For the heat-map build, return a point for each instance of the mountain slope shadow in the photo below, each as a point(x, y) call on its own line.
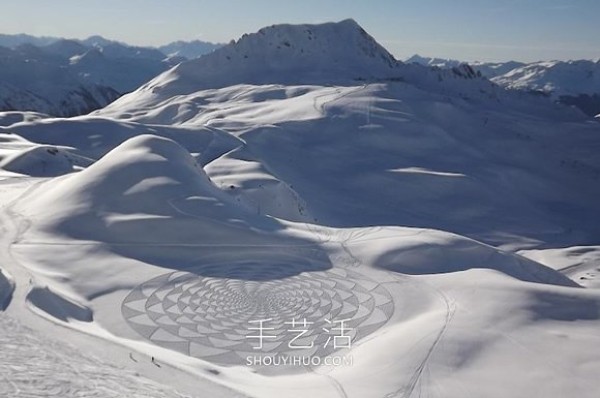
point(149, 200)
point(447, 253)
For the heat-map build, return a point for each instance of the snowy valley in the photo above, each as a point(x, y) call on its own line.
point(299, 173)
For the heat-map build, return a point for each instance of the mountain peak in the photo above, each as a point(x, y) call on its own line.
point(333, 41)
point(308, 53)
point(97, 41)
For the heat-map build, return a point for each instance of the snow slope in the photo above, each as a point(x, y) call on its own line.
point(580, 263)
point(18, 155)
point(321, 180)
point(177, 243)
point(35, 365)
point(413, 159)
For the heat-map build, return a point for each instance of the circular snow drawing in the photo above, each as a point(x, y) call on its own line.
point(225, 313)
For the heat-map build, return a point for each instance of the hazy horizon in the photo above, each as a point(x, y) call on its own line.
point(468, 30)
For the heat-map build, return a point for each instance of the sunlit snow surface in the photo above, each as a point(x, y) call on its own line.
point(430, 210)
point(34, 365)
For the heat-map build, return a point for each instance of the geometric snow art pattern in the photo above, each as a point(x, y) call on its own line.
point(213, 317)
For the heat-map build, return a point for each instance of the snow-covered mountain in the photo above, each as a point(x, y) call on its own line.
point(432, 61)
point(493, 69)
point(574, 83)
point(90, 73)
point(185, 49)
point(556, 78)
point(487, 69)
point(189, 49)
point(302, 172)
point(123, 73)
point(35, 80)
point(570, 82)
point(66, 78)
point(116, 50)
point(284, 53)
point(290, 55)
point(12, 41)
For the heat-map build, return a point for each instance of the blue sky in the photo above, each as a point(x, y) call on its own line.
point(525, 30)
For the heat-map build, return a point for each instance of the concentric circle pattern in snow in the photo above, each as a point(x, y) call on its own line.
point(213, 312)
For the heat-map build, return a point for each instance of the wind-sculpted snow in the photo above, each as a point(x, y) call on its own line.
point(34, 365)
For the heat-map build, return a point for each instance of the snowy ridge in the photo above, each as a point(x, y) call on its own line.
point(339, 53)
point(12, 41)
point(447, 220)
point(487, 69)
point(574, 83)
point(189, 49)
point(432, 61)
point(284, 54)
point(555, 78)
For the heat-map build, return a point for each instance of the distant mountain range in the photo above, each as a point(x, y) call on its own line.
point(189, 49)
point(575, 83)
point(62, 77)
point(186, 49)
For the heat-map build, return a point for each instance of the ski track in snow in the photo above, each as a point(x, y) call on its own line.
point(320, 107)
point(416, 378)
